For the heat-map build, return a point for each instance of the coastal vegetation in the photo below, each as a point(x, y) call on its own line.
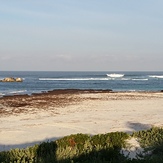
point(83, 148)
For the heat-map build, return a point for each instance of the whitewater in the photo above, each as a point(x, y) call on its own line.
point(36, 82)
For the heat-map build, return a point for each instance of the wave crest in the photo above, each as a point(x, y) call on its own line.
point(156, 76)
point(73, 79)
point(18, 91)
point(140, 79)
point(115, 75)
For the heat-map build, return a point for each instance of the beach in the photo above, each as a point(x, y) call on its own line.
point(27, 120)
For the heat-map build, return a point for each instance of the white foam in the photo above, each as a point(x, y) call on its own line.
point(132, 90)
point(156, 76)
point(126, 79)
point(73, 79)
point(140, 79)
point(17, 92)
point(115, 75)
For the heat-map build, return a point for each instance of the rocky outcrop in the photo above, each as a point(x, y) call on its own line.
point(19, 79)
point(10, 79)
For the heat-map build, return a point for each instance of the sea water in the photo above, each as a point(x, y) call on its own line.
point(36, 82)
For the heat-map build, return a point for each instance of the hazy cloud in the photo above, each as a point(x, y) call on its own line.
point(81, 35)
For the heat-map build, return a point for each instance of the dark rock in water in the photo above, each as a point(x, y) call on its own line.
point(72, 91)
point(17, 96)
point(161, 90)
point(10, 79)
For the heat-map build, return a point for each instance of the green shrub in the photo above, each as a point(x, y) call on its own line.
point(149, 137)
point(46, 152)
point(114, 139)
point(82, 148)
point(19, 155)
point(73, 140)
point(72, 146)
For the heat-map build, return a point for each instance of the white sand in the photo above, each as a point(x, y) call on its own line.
point(98, 113)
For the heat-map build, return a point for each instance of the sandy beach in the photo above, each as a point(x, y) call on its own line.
point(27, 120)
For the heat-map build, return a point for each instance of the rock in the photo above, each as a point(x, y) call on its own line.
point(19, 79)
point(10, 79)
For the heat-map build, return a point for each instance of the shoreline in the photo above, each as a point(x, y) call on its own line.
point(67, 91)
point(27, 120)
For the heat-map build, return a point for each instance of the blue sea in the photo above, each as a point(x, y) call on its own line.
point(37, 82)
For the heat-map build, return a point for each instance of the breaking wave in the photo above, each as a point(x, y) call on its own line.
point(140, 79)
point(87, 79)
point(18, 92)
point(73, 79)
point(156, 76)
point(115, 75)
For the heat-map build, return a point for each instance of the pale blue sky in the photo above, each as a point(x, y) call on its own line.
point(92, 35)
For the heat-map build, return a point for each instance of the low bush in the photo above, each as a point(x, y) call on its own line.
point(83, 148)
point(149, 137)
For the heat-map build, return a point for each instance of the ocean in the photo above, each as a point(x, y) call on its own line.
point(37, 82)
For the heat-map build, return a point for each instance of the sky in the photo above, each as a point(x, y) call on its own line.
point(81, 35)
